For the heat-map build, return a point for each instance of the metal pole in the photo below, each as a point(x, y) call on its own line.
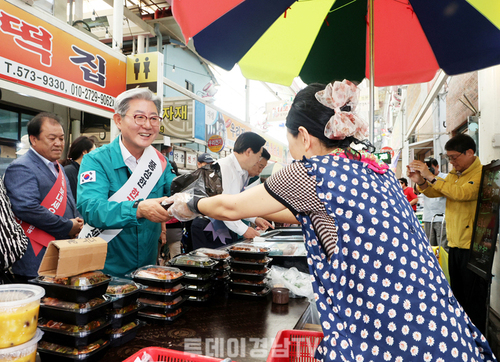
point(117, 34)
point(247, 100)
point(372, 76)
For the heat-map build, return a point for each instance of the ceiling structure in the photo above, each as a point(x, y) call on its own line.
point(140, 18)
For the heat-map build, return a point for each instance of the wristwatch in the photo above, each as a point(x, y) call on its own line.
point(433, 181)
point(136, 204)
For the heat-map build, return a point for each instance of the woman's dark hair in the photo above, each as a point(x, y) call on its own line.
point(307, 112)
point(79, 145)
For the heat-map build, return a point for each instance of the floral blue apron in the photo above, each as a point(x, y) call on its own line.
point(382, 296)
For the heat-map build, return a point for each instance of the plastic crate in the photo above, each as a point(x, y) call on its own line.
point(295, 345)
point(169, 355)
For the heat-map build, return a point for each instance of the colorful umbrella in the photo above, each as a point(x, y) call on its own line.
point(325, 40)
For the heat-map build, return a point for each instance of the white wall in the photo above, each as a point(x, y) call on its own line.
point(489, 106)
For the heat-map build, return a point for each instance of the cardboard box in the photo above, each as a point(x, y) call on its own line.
point(66, 258)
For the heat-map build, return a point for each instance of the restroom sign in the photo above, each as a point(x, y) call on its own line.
point(145, 70)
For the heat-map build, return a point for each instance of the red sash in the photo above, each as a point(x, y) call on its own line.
point(55, 202)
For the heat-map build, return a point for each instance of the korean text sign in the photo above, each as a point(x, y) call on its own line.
point(42, 56)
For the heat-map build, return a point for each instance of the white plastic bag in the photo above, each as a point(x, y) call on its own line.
point(145, 358)
point(297, 282)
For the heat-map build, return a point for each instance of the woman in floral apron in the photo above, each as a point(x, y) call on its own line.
point(380, 292)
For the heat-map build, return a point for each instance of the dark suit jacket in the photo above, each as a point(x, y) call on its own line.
point(28, 180)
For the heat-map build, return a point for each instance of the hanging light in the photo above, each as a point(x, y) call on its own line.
point(92, 17)
point(173, 68)
point(107, 35)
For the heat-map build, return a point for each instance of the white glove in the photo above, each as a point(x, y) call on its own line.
point(184, 206)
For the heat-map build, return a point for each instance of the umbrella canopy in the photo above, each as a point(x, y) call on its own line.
point(325, 40)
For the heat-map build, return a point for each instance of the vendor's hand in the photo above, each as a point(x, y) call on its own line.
point(77, 227)
point(251, 233)
point(263, 224)
point(183, 206)
point(152, 210)
point(163, 237)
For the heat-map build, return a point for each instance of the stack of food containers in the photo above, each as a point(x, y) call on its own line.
point(19, 307)
point(222, 269)
point(124, 310)
point(163, 295)
point(249, 270)
point(73, 317)
point(199, 278)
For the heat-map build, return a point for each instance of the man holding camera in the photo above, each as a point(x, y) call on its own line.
point(460, 188)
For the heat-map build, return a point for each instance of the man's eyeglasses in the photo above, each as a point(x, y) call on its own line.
point(453, 158)
point(140, 119)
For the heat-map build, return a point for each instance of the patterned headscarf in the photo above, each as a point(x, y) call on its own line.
point(343, 98)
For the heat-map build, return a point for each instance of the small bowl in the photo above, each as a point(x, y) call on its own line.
point(281, 295)
point(25, 352)
point(19, 307)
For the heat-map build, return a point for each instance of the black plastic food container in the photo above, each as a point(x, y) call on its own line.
point(94, 356)
point(74, 316)
point(176, 314)
point(120, 319)
point(119, 298)
point(165, 296)
point(118, 338)
point(156, 308)
point(72, 293)
point(150, 280)
point(77, 339)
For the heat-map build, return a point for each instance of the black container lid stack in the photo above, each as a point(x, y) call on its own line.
point(221, 269)
point(163, 293)
point(200, 275)
point(74, 317)
point(249, 270)
point(124, 295)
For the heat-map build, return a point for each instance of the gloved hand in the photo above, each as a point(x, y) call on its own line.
point(183, 206)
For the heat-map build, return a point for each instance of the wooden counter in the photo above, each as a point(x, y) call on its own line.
point(227, 326)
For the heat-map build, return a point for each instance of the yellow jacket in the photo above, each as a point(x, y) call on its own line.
point(461, 192)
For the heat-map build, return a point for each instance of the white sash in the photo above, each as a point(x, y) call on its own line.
point(139, 186)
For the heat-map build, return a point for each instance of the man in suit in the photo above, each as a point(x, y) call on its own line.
point(40, 193)
point(206, 232)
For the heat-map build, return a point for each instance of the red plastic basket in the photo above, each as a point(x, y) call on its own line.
point(295, 345)
point(170, 355)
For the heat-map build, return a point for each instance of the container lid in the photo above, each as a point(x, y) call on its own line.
point(124, 330)
point(211, 253)
point(75, 307)
point(248, 248)
point(15, 295)
point(81, 282)
point(119, 287)
point(7, 353)
point(197, 261)
point(157, 272)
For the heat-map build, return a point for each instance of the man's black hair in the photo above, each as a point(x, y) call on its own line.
point(431, 162)
point(265, 154)
point(34, 126)
point(248, 140)
point(460, 143)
